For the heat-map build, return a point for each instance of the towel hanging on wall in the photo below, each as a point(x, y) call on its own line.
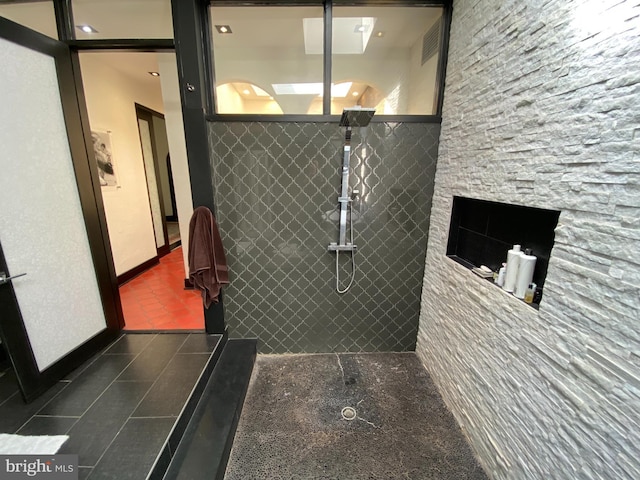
point(208, 269)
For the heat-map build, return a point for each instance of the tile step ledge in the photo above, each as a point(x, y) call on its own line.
point(203, 450)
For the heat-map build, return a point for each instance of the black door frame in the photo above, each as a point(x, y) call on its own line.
point(12, 330)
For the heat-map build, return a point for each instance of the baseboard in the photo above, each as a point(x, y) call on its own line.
point(135, 271)
point(164, 250)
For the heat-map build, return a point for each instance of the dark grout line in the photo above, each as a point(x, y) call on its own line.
point(17, 392)
point(50, 400)
point(54, 416)
point(160, 416)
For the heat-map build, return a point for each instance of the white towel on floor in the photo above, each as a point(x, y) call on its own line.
point(30, 445)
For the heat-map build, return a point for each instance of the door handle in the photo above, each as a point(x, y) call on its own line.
point(4, 279)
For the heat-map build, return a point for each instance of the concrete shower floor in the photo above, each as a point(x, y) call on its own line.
point(292, 428)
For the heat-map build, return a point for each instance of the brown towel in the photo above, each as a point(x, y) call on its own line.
point(208, 269)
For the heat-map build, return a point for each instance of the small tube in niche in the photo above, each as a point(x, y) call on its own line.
point(529, 293)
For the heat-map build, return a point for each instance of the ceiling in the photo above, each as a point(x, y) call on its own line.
point(283, 26)
point(135, 65)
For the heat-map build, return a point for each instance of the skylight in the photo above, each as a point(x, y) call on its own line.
point(350, 35)
point(337, 91)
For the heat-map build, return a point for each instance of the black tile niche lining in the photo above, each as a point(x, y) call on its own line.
point(481, 232)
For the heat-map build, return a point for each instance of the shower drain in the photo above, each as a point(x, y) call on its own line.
point(348, 413)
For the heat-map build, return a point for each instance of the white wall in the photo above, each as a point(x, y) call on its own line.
point(111, 97)
point(177, 146)
point(228, 100)
point(422, 80)
point(541, 109)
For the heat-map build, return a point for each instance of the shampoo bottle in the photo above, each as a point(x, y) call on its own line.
point(525, 273)
point(513, 260)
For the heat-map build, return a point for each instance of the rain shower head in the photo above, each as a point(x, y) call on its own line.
point(356, 117)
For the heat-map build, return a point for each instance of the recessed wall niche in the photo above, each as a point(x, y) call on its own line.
point(481, 233)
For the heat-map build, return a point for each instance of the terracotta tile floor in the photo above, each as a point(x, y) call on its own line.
point(157, 300)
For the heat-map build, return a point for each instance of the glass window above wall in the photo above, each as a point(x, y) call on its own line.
point(38, 16)
point(109, 19)
point(386, 58)
point(263, 64)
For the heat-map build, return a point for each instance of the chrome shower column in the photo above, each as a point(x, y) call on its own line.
point(351, 117)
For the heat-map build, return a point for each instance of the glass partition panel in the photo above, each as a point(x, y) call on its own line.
point(100, 19)
point(386, 58)
point(268, 60)
point(38, 16)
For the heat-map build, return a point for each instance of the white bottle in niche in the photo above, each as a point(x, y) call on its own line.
point(525, 273)
point(513, 261)
point(501, 274)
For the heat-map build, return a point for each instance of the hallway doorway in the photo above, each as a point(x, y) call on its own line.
point(134, 98)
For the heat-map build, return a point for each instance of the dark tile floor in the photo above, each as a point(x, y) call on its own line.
point(120, 407)
point(292, 428)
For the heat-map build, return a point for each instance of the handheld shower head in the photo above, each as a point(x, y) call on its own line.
point(356, 117)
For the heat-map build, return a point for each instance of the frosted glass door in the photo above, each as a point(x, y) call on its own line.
point(42, 229)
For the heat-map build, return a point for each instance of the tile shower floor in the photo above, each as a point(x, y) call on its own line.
point(292, 425)
point(157, 300)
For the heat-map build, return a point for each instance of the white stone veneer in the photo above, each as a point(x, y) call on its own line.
point(542, 108)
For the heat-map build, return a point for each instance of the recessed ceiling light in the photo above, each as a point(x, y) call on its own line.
point(87, 28)
point(379, 34)
point(355, 94)
point(246, 91)
point(154, 74)
point(223, 29)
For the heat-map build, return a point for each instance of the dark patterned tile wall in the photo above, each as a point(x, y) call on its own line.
point(276, 189)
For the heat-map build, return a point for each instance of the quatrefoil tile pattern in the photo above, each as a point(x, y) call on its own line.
point(276, 186)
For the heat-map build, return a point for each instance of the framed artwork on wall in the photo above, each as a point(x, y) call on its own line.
point(104, 157)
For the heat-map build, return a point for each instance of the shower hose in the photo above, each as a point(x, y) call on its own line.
point(353, 260)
